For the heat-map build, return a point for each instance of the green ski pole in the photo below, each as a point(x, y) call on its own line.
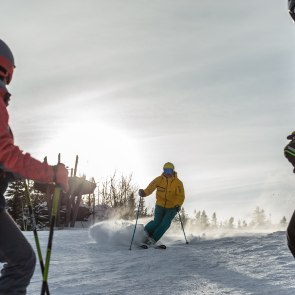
point(33, 219)
point(55, 202)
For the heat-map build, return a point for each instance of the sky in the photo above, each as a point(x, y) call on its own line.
point(129, 85)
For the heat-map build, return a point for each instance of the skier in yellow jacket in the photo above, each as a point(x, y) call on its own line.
point(170, 197)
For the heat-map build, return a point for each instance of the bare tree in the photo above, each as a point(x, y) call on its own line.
point(120, 194)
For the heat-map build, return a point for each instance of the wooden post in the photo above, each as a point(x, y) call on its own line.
point(76, 165)
point(76, 209)
point(71, 198)
point(57, 218)
point(49, 201)
point(48, 195)
point(93, 210)
point(76, 204)
point(68, 210)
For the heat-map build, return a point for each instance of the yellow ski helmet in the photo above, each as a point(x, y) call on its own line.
point(168, 165)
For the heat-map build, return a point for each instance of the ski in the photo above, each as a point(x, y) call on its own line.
point(160, 247)
point(144, 246)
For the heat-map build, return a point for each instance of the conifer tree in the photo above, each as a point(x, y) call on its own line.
point(231, 223)
point(204, 220)
point(17, 205)
point(283, 221)
point(214, 221)
point(15, 201)
point(259, 218)
point(244, 224)
point(143, 209)
point(198, 218)
point(183, 216)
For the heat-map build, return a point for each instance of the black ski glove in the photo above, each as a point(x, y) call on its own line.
point(177, 207)
point(141, 193)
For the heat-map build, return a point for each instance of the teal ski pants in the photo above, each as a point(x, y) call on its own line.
point(162, 221)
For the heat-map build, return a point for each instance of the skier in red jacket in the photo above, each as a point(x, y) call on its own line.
point(15, 252)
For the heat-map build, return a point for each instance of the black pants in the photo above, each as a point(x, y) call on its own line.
point(291, 234)
point(15, 252)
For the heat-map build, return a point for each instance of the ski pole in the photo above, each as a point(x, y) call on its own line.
point(182, 228)
point(37, 242)
point(135, 222)
point(55, 202)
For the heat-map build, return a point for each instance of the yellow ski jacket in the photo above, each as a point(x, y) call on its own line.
point(170, 191)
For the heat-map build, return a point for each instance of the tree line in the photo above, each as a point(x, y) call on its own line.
point(116, 198)
point(202, 221)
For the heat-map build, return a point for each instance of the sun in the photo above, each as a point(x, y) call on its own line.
point(101, 149)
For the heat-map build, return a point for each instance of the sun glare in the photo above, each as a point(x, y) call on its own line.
point(101, 149)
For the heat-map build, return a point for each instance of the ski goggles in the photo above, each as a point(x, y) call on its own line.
point(168, 171)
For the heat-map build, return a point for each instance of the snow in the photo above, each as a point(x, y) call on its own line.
point(98, 261)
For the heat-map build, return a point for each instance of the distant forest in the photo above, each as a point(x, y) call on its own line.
point(259, 221)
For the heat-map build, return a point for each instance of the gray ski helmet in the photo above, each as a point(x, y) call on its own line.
point(6, 62)
point(291, 7)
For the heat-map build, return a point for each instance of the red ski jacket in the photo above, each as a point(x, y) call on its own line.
point(12, 159)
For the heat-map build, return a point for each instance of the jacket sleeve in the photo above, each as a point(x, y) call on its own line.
point(12, 159)
point(152, 186)
point(180, 194)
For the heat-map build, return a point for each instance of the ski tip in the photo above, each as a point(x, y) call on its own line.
point(161, 247)
point(143, 246)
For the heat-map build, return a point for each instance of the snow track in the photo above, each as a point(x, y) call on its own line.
point(253, 264)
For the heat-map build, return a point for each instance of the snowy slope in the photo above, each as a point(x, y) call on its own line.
point(98, 261)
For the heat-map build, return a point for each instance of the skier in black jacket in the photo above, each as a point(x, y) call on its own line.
point(289, 152)
point(291, 7)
